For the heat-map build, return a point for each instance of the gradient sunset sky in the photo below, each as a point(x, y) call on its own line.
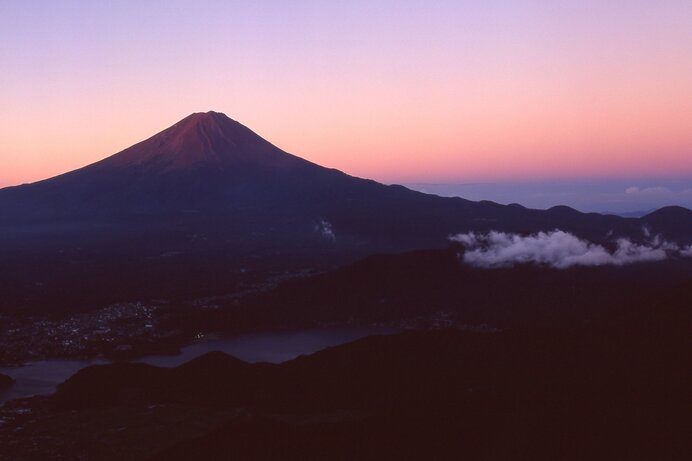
point(397, 91)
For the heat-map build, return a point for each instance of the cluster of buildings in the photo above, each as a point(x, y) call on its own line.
point(116, 328)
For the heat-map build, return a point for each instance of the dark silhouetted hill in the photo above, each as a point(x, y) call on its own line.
point(5, 381)
point(433, 287)
point(612, 390)
point(674, 222)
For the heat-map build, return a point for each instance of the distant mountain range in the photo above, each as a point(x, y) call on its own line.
point(189, 210)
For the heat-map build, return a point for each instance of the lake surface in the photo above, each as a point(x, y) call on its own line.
point(43, 376)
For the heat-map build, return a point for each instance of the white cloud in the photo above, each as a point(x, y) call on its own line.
point(658, 190)
point(558, 249)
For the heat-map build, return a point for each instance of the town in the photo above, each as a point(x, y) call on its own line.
point(117, 331)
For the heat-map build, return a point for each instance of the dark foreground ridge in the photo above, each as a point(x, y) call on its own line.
point(615, 390)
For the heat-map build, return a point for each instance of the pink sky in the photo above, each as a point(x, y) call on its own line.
point(397, 91)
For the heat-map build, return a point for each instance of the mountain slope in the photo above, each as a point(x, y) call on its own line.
point(208, 163)
point(205, 161)
point(189, 209)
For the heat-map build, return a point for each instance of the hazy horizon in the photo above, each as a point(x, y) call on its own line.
point(634, 197)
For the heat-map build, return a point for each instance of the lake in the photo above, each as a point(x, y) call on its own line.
point(42, 377)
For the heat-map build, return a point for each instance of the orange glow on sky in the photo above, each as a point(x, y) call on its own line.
point(395, 91)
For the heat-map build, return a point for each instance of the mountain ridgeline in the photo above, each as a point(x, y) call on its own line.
point(208, 199)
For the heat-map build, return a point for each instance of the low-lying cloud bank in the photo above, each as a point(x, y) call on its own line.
point(559, 249)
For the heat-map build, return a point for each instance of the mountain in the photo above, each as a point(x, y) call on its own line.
point(208, 164)
point(205, 162)
point(195, 208)
point(675, 222)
